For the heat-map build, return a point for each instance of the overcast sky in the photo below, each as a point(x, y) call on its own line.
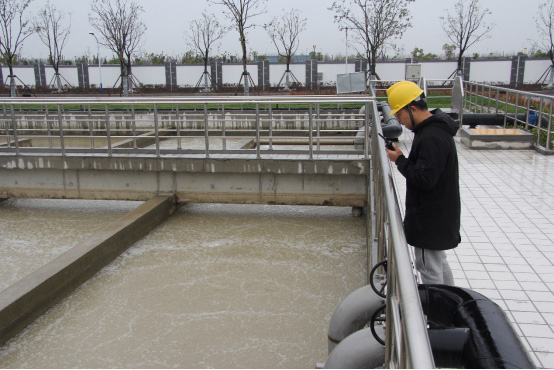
point(167, 21)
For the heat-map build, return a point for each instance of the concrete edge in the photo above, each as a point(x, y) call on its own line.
point(26, 300)
point(543, 151)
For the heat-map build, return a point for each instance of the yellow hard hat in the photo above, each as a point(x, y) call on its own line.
point(401, 94)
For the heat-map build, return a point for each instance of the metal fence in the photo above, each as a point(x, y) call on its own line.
point(260, 126)
point(308, 126)
point(407, 342)
point(532, 111)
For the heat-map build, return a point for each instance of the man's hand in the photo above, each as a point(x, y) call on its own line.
point(394, 154)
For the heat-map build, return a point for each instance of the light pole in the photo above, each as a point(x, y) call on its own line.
point(346, 66)
point(99, 64)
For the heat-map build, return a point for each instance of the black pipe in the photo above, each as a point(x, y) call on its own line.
point(491, 341)
point(497, 119)
point(447, 345)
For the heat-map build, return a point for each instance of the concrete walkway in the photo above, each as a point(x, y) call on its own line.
point(507, 249)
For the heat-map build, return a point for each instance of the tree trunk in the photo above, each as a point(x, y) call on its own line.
point(58, 79)
point(244, 59)
point(206, 87)
point(13, 93)
point(373, 63)
point(460, 70)
point(287, 81)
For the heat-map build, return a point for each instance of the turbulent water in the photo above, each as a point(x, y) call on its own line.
point(221, 286)
point(34, 232)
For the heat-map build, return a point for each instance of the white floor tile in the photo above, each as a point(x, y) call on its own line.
point(545, 360)
point(518, 295)
point(541, 344)
point(537, 331)
point(524, 306)
point(502, 276)
point(548, 317)
point(545, 308)
point(541, 296)
point(534, 286)
point(482, 284)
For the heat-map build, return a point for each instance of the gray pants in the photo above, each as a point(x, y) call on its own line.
point(433, 267)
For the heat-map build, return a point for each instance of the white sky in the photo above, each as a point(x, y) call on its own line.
point(167, 21)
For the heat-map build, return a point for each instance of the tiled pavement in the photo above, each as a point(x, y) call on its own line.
point(507, 249)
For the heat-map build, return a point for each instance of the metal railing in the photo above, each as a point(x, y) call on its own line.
point(202, 126)
point(428, 86)
point(407, 342)
point(536, 108)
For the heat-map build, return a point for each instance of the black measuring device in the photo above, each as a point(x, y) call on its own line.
point(388, 143)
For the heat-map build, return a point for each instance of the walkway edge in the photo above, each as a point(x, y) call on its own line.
point(26, 300)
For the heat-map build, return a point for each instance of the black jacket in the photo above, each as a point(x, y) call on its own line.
point(432, 218)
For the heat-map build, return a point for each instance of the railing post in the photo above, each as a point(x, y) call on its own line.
point(14, 130)
point(48, 127)
point(506, 109)
point(516, 109)
point(134, 126)
point(318, 124)
point(483, 99)
point(90, 124)
point(489, 100)
point(224, 138)
point(258, 130)
point(156, 130)
point(206, 138)
point(108, 132)
point(60, 123)
point(6, 124)
point(270, 126)
point(311, 133)
point(549, 128)
point(178, 126)
point(366, 130)
point(527, 115)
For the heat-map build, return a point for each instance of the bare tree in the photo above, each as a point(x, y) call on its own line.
point(50, 27)
point(284, 33)
point(14, 29)
point(545, 26)
point(119, 23)
point(466, 26)
point(205, 33)
point(375, 24)
point(241, 12)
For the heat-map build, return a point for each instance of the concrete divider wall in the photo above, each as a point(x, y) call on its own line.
point(26, 300)
point(337, 182)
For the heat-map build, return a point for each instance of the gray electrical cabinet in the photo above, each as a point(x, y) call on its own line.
point(413, 72)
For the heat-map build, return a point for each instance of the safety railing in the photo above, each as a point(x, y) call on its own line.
point(407, 342)
point(257, 126)
point(531, 111)
point(436, 90)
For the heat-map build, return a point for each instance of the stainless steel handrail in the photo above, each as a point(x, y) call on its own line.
point(113, 120)
point(482, 98)
point(407, 342)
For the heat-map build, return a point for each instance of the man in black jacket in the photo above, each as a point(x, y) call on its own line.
point(432, 220)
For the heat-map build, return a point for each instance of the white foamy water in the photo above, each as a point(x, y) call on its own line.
point(217, 286)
